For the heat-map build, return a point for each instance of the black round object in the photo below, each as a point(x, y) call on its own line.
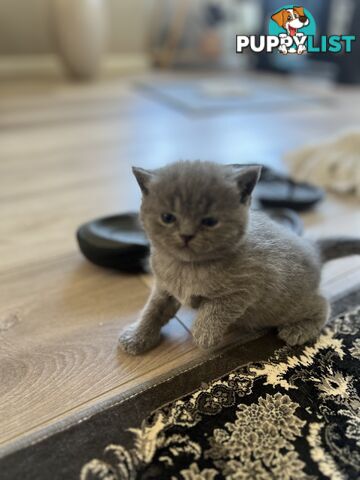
point(276, 190)
point(284, 193)
point(116, 242)
point(280, 191)
point(119, 242)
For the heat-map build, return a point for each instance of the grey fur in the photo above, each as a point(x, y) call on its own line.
point(245, 270)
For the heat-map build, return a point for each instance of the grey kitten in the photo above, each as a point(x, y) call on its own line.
point(210, 252)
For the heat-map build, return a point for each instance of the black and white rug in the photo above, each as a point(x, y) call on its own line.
point(293, 416)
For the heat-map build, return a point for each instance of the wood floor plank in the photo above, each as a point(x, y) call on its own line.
point(43, 225)
point(58, 327)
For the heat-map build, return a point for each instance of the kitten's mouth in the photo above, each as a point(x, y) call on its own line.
point(185, 245)
point(186, 248)
point(186, 251)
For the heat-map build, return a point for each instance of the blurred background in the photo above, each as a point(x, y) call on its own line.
point(97, 35)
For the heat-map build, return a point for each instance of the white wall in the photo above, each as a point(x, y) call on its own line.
point(26, 26)
point(128, 25)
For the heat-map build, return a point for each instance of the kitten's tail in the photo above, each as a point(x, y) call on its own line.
point(337, 247)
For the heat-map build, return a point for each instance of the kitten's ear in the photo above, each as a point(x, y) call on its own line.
point(246, 179)
point(143, 178)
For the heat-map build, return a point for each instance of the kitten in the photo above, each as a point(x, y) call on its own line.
point(210, 252)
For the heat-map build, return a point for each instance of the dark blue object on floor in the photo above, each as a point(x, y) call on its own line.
point(118, 242)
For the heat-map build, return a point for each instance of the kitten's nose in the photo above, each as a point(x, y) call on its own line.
point(186, 238)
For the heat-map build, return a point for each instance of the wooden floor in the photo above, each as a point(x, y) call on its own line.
point(65, 157)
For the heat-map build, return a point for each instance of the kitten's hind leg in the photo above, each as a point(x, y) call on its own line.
point(315, 313)
point(145, 333)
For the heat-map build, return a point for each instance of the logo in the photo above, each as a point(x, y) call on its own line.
point(292, 30)
point(293, 26)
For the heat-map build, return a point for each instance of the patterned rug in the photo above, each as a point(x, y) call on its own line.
point(295, 416)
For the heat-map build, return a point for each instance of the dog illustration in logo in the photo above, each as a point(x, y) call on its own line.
point(291, 20)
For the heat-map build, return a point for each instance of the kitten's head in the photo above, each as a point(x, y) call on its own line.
point(196, 211)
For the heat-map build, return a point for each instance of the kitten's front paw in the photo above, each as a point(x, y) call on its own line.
point(132, 340)
point(205, 339)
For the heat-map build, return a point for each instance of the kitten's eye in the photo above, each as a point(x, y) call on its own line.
point(209, 222)
point(168, 218)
